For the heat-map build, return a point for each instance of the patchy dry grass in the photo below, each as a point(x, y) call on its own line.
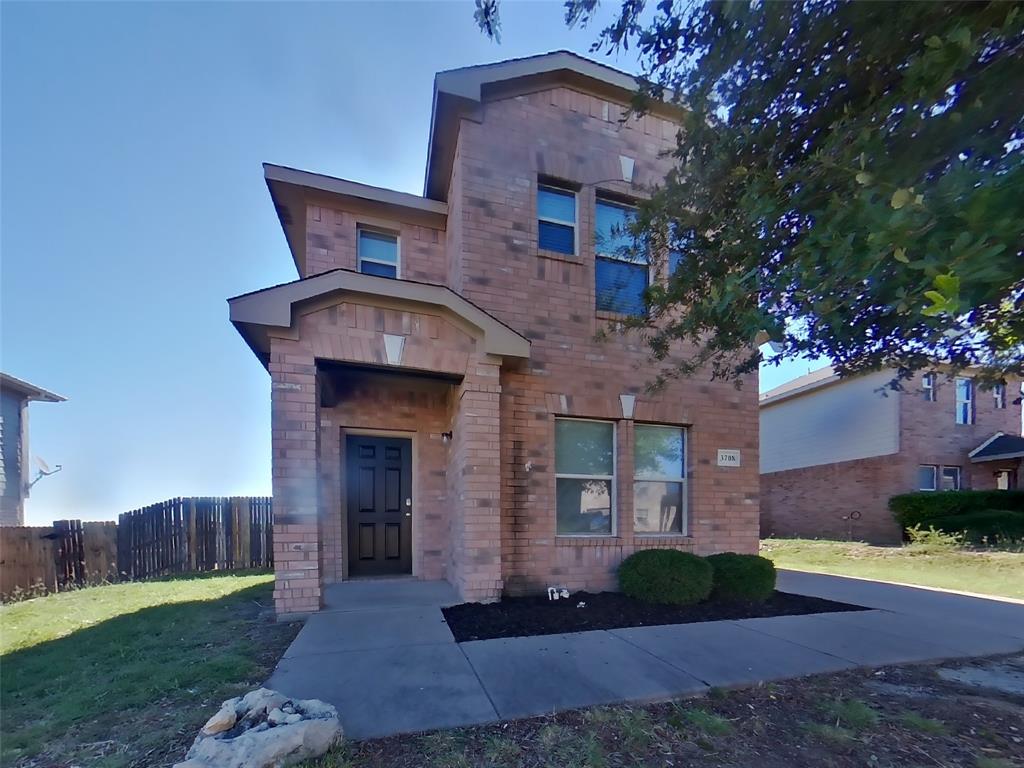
point(987, 572)
point(904, 716)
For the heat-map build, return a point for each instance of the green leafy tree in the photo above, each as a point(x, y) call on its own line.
point(847, 180)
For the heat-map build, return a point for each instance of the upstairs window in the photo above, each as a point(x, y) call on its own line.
point(584, 477)
point(659, 483)
point(999, 394)
point(378, 253)
point(556, 219)
point(964, 401)
point(622, 274)
point(928, 387)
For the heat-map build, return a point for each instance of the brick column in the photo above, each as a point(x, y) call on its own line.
point(295, 447)
point(475, 465)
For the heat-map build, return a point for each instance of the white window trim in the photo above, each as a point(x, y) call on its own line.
point(684, 481)
point(935, 477)
point(613, 500)
point(552, 220)
point(999, 394)
point(928, 387)
point(959, 402)
point(959, 477)
point(615, 256)
point(378, 231)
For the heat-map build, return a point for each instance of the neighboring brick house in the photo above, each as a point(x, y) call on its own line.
point(834, 451)
point(440, 404)
point(15, 470)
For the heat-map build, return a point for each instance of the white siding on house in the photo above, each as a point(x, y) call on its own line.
point(841, 422)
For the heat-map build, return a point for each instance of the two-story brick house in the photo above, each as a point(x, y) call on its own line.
point(834, 451)
point(440, 404)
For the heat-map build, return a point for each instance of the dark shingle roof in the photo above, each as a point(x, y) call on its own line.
point(999, 447)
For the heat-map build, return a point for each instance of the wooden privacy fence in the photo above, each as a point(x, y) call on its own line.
point(36, 560)
point(196, 534)
point(174, 536)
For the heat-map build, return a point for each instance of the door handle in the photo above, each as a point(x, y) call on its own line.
point(408, 502)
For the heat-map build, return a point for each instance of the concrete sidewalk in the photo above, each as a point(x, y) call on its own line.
point(383, 655)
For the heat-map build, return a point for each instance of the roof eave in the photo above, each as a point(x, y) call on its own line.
point(997, 457)
point(291, 189)
point(255, 314)
point(458, 92)
point(30, 391)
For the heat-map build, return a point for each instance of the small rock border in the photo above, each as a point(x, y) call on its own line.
point(264, 729)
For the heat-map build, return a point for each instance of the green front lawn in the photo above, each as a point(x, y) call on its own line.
point(124, 675)
point(987, 572)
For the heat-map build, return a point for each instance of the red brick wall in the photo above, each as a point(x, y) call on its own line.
point(550, 299)
point(820, 502)
point(332, 234)
point(812, 501)
point(929, 433)
point(499, 485)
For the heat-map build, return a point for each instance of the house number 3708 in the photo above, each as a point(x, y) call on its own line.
point(728, 458)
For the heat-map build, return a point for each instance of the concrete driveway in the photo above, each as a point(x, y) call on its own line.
point(382, 654)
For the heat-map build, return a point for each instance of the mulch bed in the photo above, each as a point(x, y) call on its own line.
point(536, 615)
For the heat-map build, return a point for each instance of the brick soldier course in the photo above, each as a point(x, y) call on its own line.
point(479, 345)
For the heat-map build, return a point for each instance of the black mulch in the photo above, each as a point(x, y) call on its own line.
point(536, 615)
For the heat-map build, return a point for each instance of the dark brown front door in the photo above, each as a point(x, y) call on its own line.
point(379, 505)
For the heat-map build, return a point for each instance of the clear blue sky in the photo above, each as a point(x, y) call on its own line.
point(133, 205)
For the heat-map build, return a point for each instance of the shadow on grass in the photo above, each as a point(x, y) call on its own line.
point(134, 688)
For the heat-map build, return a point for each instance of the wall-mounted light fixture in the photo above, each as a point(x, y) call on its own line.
point(446, 437)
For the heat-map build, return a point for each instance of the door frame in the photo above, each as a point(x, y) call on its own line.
point(412, 437)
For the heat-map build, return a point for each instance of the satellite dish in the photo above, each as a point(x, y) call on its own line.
point(43, 466)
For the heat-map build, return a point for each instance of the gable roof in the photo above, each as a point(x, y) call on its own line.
point(27, 390)
point(999, 446)
point(459, 93)
point(291, 190)
point(253, 314)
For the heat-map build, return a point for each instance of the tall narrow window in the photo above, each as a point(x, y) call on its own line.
point(556, 219)
point(1006, 479)
point(951, 478)
point(928, 387)
point(659, 484)
point(621, 272)
point(927, 477)
point(378, 253)
point(964, 401)
point(584, 477)
point(999, 394)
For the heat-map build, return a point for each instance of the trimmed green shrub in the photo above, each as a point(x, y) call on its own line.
point(665, 576)
point(990, 526)
point(922, 508)
point(742, 577)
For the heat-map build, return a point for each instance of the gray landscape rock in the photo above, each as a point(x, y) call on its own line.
point(264, 729)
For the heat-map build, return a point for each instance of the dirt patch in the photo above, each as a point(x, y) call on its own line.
point(582, 611)
point(846, 720)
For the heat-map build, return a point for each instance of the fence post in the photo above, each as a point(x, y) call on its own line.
point(190, 515)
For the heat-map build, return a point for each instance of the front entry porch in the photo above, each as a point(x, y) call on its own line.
point(385, 420)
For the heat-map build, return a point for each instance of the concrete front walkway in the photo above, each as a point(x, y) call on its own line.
point(383, 655)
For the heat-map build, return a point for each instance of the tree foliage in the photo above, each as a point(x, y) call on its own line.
point(847, 179)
